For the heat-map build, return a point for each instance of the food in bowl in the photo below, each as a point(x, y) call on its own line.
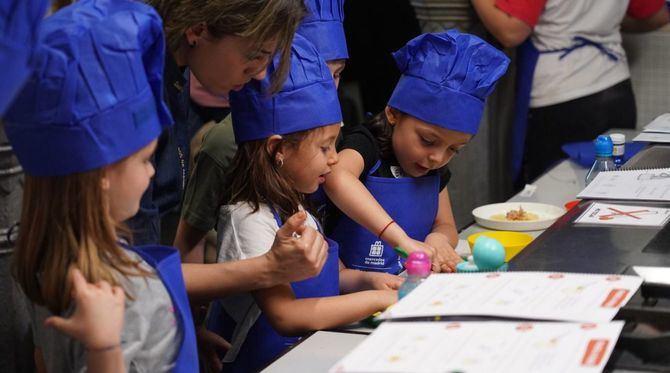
point(516, 215)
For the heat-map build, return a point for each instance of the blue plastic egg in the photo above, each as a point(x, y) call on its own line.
point(488, 253)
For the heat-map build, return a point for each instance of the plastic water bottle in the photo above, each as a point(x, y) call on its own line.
point(418, 268)
point(618, 148)
point(604, 160)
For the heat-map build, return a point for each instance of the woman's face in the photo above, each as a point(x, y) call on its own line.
point(421, 147)
point(226, 64)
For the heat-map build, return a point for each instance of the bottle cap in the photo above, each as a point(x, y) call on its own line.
point(618, 138)
point(603, 146)
point(418, 264)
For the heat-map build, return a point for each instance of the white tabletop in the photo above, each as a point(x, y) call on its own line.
point(317, 353)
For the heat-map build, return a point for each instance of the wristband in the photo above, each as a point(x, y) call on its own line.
point(384, 229)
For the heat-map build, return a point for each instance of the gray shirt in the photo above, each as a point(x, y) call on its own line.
point(150, 338)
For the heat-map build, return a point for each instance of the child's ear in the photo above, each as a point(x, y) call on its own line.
point(273, 144)
point(392, 115)
point(104, 183)
point(194, 33)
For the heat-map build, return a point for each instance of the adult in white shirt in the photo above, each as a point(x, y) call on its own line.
point(573, 81)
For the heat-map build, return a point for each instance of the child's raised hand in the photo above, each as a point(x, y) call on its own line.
point(383, 281)
point(98, 315)
point(298, 251)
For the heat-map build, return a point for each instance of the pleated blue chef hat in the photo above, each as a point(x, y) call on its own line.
point(323, 27)
point(446, 78)
point(96, 95)
point(307, 100)
point(19, 20)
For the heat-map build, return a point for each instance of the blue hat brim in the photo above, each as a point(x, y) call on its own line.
point(437, 105)
point(312, 106)
point(91, 145)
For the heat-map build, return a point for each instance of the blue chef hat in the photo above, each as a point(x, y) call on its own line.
point(323, 27)
point(96, 94)
point(307, 100)
point(446, 77)
point(18, 24)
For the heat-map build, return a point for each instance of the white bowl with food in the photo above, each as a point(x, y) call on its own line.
point(517, 216)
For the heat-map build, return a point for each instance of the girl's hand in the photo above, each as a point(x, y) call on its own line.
point(382, 281)
point(410, 245)
point(98, 316)
point(446, 257)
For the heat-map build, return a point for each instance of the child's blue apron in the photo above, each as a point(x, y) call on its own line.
point(411, 201)
point(167, 263)
point(263, 343)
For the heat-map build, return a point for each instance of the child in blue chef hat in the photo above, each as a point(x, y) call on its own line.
point(390, 182)
point(286, 147)
point(84, 128)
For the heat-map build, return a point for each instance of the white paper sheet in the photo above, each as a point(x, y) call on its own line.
point(609, 214)
point(654, 275)
point(659, 124)
point(641, 185)
point(652, 137)
point(523, 295)
point(483, 347)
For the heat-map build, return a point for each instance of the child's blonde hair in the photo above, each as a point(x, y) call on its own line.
point(258, 20)
point(65, 222)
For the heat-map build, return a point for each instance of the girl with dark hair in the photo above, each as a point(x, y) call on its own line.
point(390, 183)
point(286, 146)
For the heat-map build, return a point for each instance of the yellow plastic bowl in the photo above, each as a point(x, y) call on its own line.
point(513, 242)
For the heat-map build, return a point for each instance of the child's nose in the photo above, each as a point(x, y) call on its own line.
point(333, 159)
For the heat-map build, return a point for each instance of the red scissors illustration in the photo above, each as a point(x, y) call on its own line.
point(633, 214)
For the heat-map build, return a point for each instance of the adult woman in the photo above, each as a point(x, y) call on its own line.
point(224, 44)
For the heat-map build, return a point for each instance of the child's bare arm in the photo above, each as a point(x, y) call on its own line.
point(353, 198)
point(444, 236)
point(352, 280)
point(291, 316)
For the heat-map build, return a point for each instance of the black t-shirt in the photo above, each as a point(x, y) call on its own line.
point(360, 139)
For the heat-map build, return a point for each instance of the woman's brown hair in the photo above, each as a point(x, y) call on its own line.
point(65, 223)
point(256, 178)
point(257, 20)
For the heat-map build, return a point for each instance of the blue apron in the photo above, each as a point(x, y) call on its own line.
point(167, 263)
point(527, 56)
point(263, 343)
point(411, 201)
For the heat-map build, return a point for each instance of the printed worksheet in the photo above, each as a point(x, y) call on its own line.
point(642, 185)
point(522, 295)
point(483, 347)
point(608, 214)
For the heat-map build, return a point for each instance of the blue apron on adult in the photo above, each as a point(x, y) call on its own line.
point(527, 57)
point(411, 202)
point(167, 263)
point(263, 343)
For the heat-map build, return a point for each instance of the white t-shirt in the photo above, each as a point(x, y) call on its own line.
point(243, 234)
point(585, 70)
